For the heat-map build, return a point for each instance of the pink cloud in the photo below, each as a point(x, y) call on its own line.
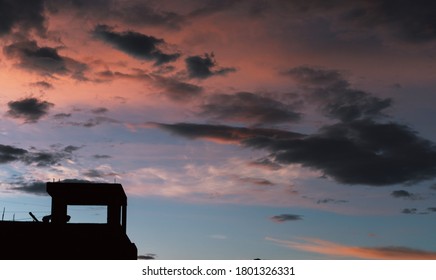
point(332, 249)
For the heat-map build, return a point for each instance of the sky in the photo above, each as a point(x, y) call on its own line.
point(297, 129)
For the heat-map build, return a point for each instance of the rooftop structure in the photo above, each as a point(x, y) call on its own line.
point(55, 238)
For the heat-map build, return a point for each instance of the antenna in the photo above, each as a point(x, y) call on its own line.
point(33, 217)
point(3, 215)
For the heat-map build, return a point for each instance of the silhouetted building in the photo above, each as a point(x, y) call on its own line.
point(55, 238)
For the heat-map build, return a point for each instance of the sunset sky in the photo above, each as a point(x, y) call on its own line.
point(283, 129)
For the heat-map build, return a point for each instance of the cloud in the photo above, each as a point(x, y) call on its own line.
point(226, 134)
point(249, 107)
point(286, 217)
point(40, 158)
point(33, 187)
point(212, 7)
point(71, 148)
point(139, 13)
point(361, 152)
point(382, 21)
point(265, 163)
point(254, 181)
point(135, 44)
point(147, 257)
point(330, 200)
point(332, 249)
point(334, 95)
point(10, 153)
point(43, 85)
point(61, 116)
point(409, 211)
point(203, 67)
point(45, 61)
point(29, 109)
point(175, 89)
point(99, 110)
point(402, 19)
point(404, 194)
point(100, 173)
point(357, 152)
point(97, 156)
point(44, 158)
point(110, 75)
point(24, 15)
point(218, 236)
point(94, 122)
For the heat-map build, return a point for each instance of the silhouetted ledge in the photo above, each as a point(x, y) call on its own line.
point(57, 239)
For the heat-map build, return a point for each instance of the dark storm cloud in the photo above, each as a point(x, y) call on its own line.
point(357, 152)
point(135, 44)
point(23, 15)
point(286, 218)
point(432, 209)
point(249, 107)
point(29, 109)
point(45, 61)
point(203, 67)
point(361, 152)
point(334, 95)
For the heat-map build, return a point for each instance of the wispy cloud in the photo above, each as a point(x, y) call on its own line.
point(286, 217)
point(332, 249)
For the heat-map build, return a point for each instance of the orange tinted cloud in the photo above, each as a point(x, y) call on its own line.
point(328, 248)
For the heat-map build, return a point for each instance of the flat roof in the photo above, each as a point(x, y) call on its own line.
point(87, 193)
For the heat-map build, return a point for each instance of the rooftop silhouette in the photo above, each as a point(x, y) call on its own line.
point(56, 238)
